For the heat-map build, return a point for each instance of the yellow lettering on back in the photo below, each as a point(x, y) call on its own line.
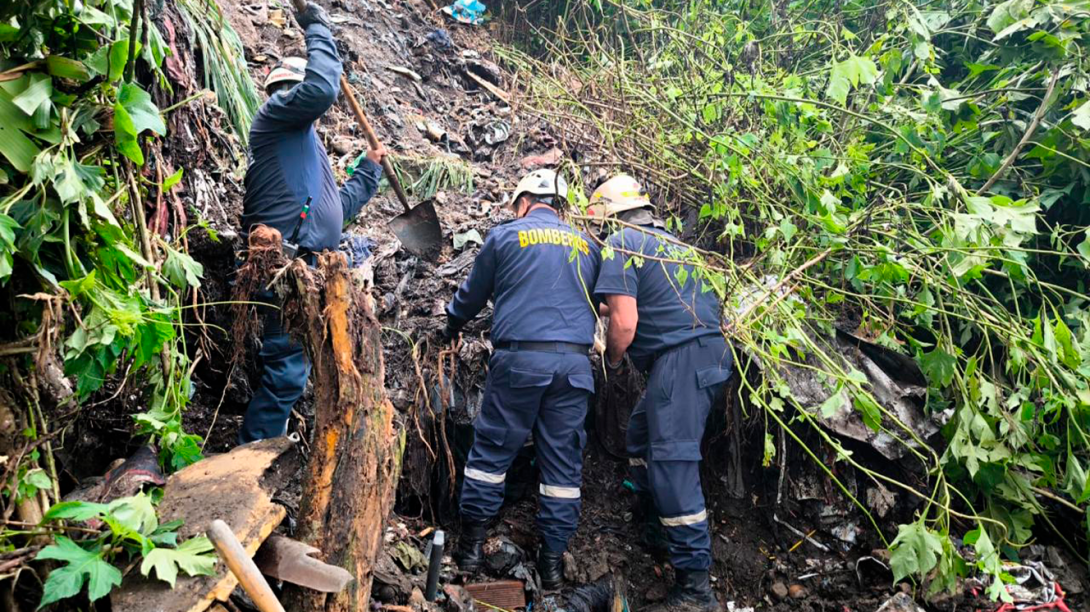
point(523, 240)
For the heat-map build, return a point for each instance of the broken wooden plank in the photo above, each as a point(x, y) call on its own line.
point(232, 486)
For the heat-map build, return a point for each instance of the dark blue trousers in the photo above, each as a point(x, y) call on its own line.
point(664, 434)
point(543, 393)
point(286, 369)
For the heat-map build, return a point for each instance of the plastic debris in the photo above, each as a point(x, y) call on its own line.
point(1035, 588)
point(440, 38)
point(356, 248)
point(466, 11)
point(502, 555)
point(901, 602)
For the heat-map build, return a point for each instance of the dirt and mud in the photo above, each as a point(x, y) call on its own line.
point(781, 541)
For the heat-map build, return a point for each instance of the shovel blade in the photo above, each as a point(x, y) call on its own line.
point(419, 231)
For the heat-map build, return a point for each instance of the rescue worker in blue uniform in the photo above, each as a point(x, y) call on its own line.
point(539, 274)
point(288, 165)
point(669, 327)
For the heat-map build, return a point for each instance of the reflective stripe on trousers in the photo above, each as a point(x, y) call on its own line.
point(543, 393)
point(664, 434)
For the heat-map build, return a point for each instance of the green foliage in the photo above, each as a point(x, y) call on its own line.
point(922, 166)
point(133, 530)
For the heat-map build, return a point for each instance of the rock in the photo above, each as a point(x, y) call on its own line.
point(901, 602)
point(342, 146)
point(779, 591)
point(797, 591)
point(416, 599)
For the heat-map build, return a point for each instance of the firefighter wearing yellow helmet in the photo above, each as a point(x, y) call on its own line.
point(670, 330)
point(538, 271)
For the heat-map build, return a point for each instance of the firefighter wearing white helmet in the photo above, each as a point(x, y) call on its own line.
point(537, 271)
point(288, 169)
point(669, 328)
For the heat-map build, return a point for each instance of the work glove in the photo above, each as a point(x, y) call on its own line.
point(611, 367)
point(313, 14)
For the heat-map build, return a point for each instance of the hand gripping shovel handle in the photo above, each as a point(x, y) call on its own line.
point(372, 139)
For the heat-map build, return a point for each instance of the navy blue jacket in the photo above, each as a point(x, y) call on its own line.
point(287, 162)
point(540, 274)
point(671, 312)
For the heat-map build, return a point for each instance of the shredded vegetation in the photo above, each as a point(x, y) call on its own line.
point(919, 167)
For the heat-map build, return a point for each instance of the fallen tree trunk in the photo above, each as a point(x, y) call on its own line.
point(355, 459)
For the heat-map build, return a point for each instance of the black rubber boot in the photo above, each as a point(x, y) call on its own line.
point(550, 567)
point(470, 553)
point(692, 592)
point(653, 536)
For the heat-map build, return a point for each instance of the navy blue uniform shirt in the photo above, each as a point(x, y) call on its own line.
point(670, 312)
point(288, 164)
point(540, 292)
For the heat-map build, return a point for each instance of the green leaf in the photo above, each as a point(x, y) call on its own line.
point(37, 478)
point(143, 112)
point(192, 557)
point(848, 74)
point(74, 511)
point(1081, 116)
point(66, 68)
point(182, 270)
point(172, 180)
point(914, 552)
point(19, 150)
point(938, 366)
point(136, 513)
point(872, 414)
point(39, 88)
point(82, 565)
point(831, 406)
point(125, 135)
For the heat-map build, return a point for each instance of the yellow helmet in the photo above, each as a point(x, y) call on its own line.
point(617, 195)
point(542, 183)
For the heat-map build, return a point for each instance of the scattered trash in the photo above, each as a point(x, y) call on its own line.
point(1034, 588)
point(872, 570)
point(501, 595)
point(440, 38)
point(881, 500)
point(733, 607)
point(502, 555)
point(277, 19)
point(356, 248)
point(496, 132)
point(492, 89)
point(464, 238)
point(550, 158)
point(901, 602)
point(405, 72)
point(409, 557)
point(466, 11)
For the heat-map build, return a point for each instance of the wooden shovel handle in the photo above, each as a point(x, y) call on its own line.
point(372, 139)
point(243, 567)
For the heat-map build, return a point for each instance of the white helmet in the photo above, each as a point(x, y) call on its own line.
point(617, 195)
point(543, 183)
point(287, 70)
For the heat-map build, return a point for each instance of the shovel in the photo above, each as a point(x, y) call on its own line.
point(417, 228)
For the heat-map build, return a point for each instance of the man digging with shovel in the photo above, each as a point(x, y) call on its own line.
point(290, 187)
